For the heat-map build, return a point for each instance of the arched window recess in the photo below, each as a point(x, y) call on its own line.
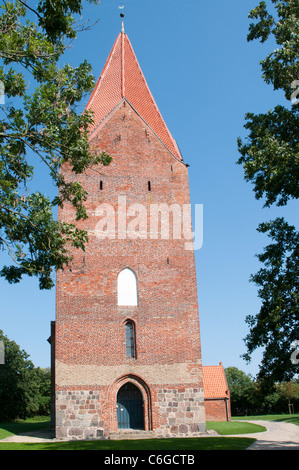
point(126, 288)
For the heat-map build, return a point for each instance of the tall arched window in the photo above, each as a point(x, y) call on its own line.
point(126, 288)
point(130, 339)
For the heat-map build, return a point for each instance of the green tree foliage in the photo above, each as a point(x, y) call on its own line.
point(270, 154)
point(24, 389)
point(270, 159)
point(40, 124)
point(241, 389)
point(250, 396)
point(276, 326)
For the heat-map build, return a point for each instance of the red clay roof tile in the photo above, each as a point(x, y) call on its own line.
point(122, 78)
point(214, 382)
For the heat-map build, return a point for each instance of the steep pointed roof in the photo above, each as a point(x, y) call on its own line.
point(214, 382)
point(122, 78)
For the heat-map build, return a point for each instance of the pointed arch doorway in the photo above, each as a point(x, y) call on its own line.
point(130, 407)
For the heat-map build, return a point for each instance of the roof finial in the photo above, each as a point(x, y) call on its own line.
point(121, 7)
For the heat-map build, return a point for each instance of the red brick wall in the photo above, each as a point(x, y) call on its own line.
point(90, 334)
point(217, 410)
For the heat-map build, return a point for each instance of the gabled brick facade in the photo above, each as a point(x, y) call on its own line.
point(217, 394)
point(91, 358)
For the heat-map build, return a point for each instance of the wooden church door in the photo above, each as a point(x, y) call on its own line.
point(130, 407)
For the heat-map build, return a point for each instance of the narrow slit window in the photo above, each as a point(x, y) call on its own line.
point(149, 185)
point(130, 339)
point(101, 185)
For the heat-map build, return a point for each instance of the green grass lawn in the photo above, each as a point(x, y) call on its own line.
point(21, 426)
point(234, 427)
point(287, 418)
point(177, 444)
point(180, 444)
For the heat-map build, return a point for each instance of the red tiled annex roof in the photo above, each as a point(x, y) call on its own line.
point(120, 79)
point(214, 382)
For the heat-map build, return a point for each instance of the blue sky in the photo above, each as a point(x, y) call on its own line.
point(204, 76)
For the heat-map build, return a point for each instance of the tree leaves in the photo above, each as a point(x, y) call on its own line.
point(270, 155)
point(281, 66)
point(40, 124)
point(56, 17)
point(270, 159)
point(276, 326)
point(24, 390)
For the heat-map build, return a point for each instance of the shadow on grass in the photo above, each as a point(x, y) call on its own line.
point(41, 428)
point(34, 428)
point(177, 444)
point(287, 418)
point(293, 419)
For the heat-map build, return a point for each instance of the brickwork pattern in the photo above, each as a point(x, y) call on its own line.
point(89, 327)
point(217, 410)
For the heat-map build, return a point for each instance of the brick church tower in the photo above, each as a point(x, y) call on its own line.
point(126, 341)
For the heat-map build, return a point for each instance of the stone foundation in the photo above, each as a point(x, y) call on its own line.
point(181, 412)
point(178, 412)
point(78, 415)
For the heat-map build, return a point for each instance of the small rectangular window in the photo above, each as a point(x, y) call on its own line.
point(101, 185)
point(149, 185)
